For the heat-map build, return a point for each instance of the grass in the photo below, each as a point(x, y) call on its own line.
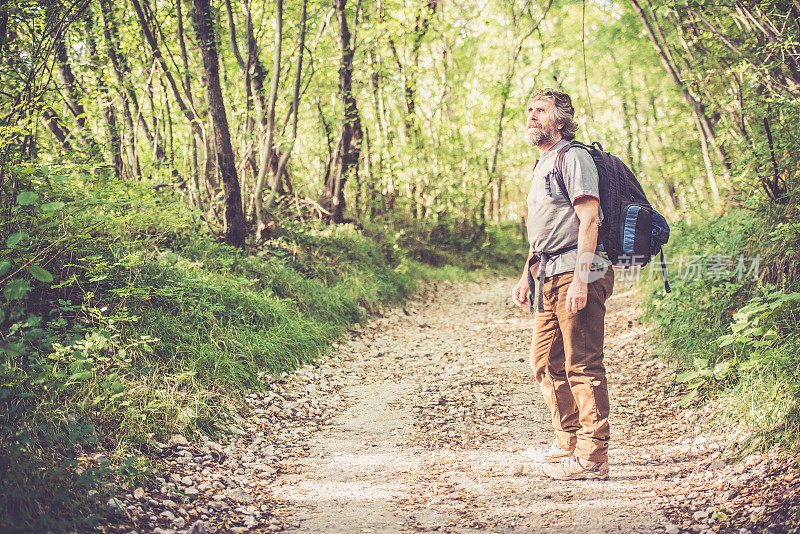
point(736, 338)
point(149, 327)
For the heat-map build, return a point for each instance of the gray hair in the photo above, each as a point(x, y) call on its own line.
point(564, 113)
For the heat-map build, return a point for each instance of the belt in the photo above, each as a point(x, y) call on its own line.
point(543, 258)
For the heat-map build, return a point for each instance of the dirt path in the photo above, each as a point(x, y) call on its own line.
point(418, 423)
point(440, 404)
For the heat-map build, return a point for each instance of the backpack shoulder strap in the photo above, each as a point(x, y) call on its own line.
point(559, 165)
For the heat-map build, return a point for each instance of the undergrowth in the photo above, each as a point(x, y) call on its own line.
point(124, 321)
point(731, 321)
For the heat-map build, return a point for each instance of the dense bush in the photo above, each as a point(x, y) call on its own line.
point(124, 320)
point(732, 320)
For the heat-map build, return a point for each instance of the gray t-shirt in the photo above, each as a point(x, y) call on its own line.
point(552, 222)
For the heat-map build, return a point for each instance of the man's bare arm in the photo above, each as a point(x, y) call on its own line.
point(588, 211)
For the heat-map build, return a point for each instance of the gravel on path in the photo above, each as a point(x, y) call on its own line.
point(418, 421)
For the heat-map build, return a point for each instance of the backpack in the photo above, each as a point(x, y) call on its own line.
point(632, 232)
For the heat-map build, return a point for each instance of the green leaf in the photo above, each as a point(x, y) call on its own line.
point(40, 274)
point(51, 207)
point(723, 369)
point(26, 198)
point(80, 375)
point(738, 327)
point(4, 267)
point(687, 376)
point(17, 289)
point(2, 316)
point(688, 398)
point(13, 239)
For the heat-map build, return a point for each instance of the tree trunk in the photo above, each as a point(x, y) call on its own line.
point(712, 181)
point(348, 149)
point(704, 126)
point(127, 94)
point(108, 110)
point(187, 82)
point(188, 112)
point(71, 92)
point(284, 159)
point(56, 128)
point(385, 135)
point(495, 185)
point(267, 150)
point(234, 216)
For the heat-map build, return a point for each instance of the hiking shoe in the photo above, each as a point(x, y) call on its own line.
point(574, 468)
point(546, 454)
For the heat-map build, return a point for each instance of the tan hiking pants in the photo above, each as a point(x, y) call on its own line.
point(567, 361)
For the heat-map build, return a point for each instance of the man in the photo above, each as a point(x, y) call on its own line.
point(574, 281)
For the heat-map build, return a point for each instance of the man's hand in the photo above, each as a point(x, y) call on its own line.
point(577, 293)
point(520, 292)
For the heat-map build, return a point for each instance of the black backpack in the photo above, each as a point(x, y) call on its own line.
point(632, 231)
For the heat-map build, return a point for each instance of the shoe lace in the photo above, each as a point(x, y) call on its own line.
point(573, 462)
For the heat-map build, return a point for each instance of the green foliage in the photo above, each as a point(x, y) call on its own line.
point(123, 322)
point(734, 334)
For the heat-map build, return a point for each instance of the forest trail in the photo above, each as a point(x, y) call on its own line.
point(417, 423)
point(440, 403)
point(438, 406)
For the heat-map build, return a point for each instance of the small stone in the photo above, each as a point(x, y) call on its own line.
point(191, 491)
point(138, 494)
point(265, 469)
point(198, 527)
point(669, 528)
point(517, 469)
point(240, 495)
point(719, 464)
point(218, 505)
point(205, 486)
point(699, 515)
point(179, 522)
point(186, 481)
point(177, 441)
point(169, 515)
point(115, 506)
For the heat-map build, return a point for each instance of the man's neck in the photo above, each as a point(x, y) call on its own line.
point(545, 147)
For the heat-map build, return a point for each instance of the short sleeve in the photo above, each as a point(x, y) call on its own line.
point(580, 175)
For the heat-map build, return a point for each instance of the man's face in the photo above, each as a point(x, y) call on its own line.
point(541, 127)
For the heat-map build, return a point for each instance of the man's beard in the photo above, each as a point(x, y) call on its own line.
point(540, 136)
